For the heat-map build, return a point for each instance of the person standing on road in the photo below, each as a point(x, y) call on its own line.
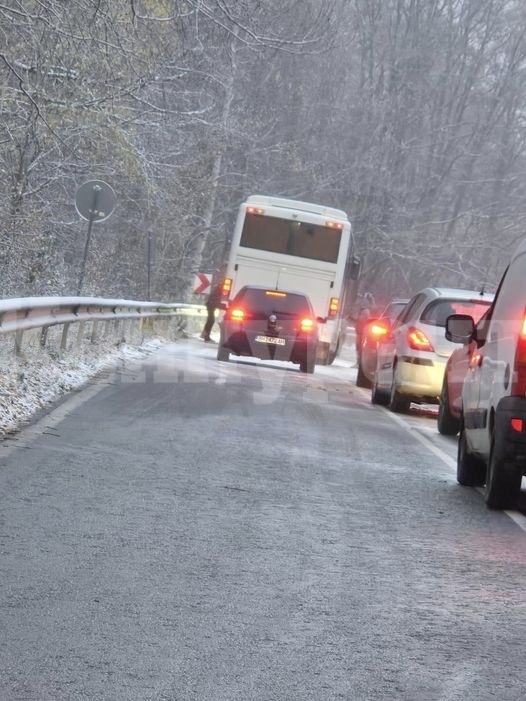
point(212, 303)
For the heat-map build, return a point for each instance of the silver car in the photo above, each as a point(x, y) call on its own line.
point(412, 356)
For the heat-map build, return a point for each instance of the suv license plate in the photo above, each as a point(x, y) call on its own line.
point(271, 339)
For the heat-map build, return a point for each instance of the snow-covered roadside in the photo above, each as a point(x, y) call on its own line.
point(29, 385)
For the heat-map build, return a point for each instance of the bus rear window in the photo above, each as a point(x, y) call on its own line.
point(293, 238)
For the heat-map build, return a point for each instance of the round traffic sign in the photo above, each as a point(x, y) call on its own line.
point(95, 200)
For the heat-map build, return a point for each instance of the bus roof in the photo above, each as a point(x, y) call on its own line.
point(296, 204)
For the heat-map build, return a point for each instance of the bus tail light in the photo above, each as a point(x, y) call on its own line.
point(418, 340)
point(334, 305)
point(227, 287)
point(518, 384)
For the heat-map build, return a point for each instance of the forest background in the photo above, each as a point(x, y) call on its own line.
point(407, 114)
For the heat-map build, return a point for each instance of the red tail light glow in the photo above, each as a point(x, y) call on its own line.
point(418, 340)
point(227, 287)
point(307, 325)
point(517, 425)
point(376, 330)
point(236, 314)
point(518, 384)
point(334, 305)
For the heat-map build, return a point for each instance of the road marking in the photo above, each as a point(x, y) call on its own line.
point(515, 516)
point(27, 435)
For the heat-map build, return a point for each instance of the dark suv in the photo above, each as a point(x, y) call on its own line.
point(270, 324)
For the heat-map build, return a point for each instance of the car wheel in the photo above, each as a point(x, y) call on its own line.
point(361, 378)
point(447, 424)
point(223, 354)
point(378, 396)
point(398, 402)
point(471, 471)
point(503, 481)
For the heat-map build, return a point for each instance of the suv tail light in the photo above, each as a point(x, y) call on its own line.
point(418, 340)
point(236, 314)
point(307, 325)
point(227, 287)
point(518, 384)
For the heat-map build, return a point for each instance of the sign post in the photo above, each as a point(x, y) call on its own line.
point(94, 201)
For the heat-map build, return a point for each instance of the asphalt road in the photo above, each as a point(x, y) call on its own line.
point(186, 529)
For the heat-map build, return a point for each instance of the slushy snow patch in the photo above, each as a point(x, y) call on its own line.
point(31, 384)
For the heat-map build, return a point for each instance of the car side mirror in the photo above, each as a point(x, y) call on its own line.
point(460, 328)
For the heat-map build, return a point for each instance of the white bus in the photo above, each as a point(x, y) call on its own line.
point(296, 246)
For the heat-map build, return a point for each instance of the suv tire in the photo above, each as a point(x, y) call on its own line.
point(307, 364)
point(378, 396)
point(361, 378)
point(447, 424)
point(503, 481)
point(223, 354)
point(471, 471)
point(398, 402)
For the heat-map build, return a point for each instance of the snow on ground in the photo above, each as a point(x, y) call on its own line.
point(29, 385)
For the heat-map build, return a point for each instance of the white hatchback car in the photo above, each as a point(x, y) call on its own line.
point(412, 357)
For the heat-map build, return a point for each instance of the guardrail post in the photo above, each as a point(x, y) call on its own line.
point(80, 333)
point(64, 340)
point(43, 336)
point(94, 331)
point(18, 342)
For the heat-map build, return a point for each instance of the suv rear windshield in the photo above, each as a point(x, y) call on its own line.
point(268, 301)
point(438, 311)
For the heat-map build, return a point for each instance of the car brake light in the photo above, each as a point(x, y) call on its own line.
point(307, 325)
point(227, 287)
point(517, 424)
point(334, 224)
point(255, 210)
point(333, 307)
point(274, 293)
point(236, 314)
point(418, 340)
point(518, 385)
point(377, 330)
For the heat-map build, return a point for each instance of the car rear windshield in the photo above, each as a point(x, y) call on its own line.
point(268, 301)
point(438, 311)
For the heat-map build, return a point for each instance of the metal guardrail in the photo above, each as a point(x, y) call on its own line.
point(30, 313)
